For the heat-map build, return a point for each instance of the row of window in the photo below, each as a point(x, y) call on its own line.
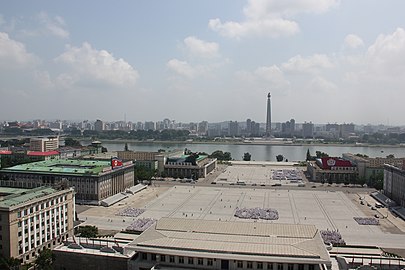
point(42, 206)
point(181, 260)
point(210, 262)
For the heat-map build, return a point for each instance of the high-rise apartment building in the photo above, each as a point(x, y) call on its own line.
point(44, 144)
point(99, 125)
point(308, 130)
point(149, 125)
point(233, 129)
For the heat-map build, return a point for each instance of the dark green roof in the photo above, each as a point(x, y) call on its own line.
point(62, 166)
point(24, 195)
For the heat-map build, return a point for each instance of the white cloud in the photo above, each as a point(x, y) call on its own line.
point(320, 84)
point(382, 66)
point(270, 18)
point(258, 9)
point(13, 54)
point(184, 69)
point(386, 56)
point(54, 26)
point(272, 74)
point(353, 41)
point(90, 66)
point(270, 27)
point(43, 79)
point(200, 47)
point(309, 64)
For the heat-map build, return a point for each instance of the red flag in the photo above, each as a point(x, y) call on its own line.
point(115, 162)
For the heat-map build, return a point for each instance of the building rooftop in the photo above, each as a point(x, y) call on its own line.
point(42, 154)
point(231, 238)
point(20, 196)
point(63, 166)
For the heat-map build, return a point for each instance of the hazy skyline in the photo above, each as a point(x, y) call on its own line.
point(322, 60)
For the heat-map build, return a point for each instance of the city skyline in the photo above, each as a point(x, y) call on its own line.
point(324, 61)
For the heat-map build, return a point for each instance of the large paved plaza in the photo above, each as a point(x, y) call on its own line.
point(262, 173)
point(325, 209)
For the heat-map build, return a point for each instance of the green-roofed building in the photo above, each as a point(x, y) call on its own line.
point(189, 166)
point(34, 219)
point(93, 180)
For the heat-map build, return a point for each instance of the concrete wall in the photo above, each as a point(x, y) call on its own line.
point(73, 261)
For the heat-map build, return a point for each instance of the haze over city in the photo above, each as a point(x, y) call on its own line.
point(323, 61)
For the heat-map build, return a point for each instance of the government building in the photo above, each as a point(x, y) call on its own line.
point(34, 219)
point(332, 170)
point(92, 180)
point(174, 243)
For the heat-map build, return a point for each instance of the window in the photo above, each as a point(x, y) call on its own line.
point(290, 266)
point(210, 262)
point(239, 264)
point(311, 267)
point(181, 260)
point(144, 256)
point(279, 266)
point(171, 259)
point(259, 265)
point(300, 267)
point(190, 261)
point(153, 257)
point(249, 265)
point(200, 261)
point(162, 258)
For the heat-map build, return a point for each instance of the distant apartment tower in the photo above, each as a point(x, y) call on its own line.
point(255, 129)
point(288, 128)
point(150, 125)
point(248, 126)
point(202, 128)
point(44, 144)
point(268, 117)
point(34, 219)
point(56, 125)
point(233, 129)
point(99, 125)
point(308, 130)
point(214, 130)
point(346, 130)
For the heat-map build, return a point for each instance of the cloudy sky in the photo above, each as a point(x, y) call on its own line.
point(322, 60)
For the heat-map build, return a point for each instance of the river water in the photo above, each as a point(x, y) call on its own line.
point(259, 152)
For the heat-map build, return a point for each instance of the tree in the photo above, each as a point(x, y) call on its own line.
point(279, 158)
point(390, 156)
point(308, 155)
point(72, 142)
point(218, 154)
point(361, 181)
point(379, 184)
point(9, 263)
point(87, 231)
point(126, 147)
point(320, 154)
point(247, 156)
point(142, 173)
point(45, 259)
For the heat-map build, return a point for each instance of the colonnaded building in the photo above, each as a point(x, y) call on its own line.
point(332, 169)
point(174, 243)
point(190, 166)
point(93, 180)
point(34, 219)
